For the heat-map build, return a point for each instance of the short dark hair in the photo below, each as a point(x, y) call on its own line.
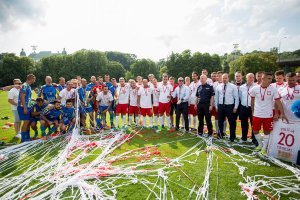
point(259, 72)
point(196, 73)
point(204, 69)
point(291, 74)
point(30, 76)
point(69, 101)
point(56, 101)
point(39, 99)
point(279, 72)
point(267, 73)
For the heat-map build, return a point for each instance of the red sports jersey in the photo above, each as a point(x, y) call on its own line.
point(174, 100)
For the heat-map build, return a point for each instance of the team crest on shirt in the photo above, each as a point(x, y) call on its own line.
point(296, 91)
point(268, 92)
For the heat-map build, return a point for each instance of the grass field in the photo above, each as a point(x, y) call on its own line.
point(172, 165)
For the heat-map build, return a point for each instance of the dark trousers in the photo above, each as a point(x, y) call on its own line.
point(203, 111)
point(226, 111)
point(236, 115)
point(245, 115)
point(182, 108)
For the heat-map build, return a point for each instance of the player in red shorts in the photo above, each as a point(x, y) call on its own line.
point(155, 102)
point(133, 108)
point(192, 101)
point(164, 102)
point(145, 102)
point(262, 97)
point(122, 100)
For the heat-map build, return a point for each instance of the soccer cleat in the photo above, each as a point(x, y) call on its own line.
point(199, 134)
point(18, 135)
point(258, 148)
point(116, 129)
point(263, 152)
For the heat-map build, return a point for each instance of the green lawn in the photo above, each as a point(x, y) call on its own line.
point(184, 160)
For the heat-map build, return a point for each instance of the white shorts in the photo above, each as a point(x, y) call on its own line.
point(16, 115)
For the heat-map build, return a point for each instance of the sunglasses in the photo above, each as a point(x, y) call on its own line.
point(180, 80)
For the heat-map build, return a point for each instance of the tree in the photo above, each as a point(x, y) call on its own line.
point(125, 59)
point(144, 67)
point(115, 70)
point(254, 62)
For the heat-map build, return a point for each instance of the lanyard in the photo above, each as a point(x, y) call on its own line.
point(262, 96)
point(290, 96)
point(165, 88)
point(123, 90)
point(146, 91)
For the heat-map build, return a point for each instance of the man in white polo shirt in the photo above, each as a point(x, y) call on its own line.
point(133, 108)
point(13, 96)
point(262, 97)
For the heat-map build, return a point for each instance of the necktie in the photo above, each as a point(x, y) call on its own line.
point(224, 91)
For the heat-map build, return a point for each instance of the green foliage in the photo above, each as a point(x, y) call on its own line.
point(12, 67)
point(125, 59)
point(185, 63)
point(254, 62)
point(115, 70)
point(143, 67)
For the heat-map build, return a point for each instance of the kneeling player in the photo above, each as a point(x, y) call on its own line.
point(68, 117)
point(36, 111)
point(50, 117)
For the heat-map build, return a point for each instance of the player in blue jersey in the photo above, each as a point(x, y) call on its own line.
point(61, 84)
point(107, 80)
point(112, 108)
point(85, 106)
point(51, 116)
point(48, 91)
point(36, 111)
point(24, 102)
point(68, 116)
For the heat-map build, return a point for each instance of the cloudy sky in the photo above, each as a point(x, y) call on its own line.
point(149, 28)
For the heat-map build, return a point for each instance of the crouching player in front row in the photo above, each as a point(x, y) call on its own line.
point(51, 116)
point(68, 117)
point(36, 111)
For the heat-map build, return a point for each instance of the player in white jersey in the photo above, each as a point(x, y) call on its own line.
point(122, 100)
point(133, 108)
point(150, 78)
point(164, 105)
point(155, 103)
point(279, 78)
point(145, 102)
point(139, 81)
point(104, 102)
point(193, 100)
point(289, 94)
point(262, 97)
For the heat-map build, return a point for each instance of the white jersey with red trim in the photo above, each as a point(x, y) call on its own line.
point(209, 81)
point(164, 92)
point(193, 87)
point(277, 86)
point(155, 96)
point(264, 97)
point(133, 93)
point(123, 94)
point(288, 96)
point(145, 97)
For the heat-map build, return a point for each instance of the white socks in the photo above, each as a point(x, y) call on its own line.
point(136, 119)
point(217, 126)
point(169, 121)
point(144, 121)
point(266, 142)
point(155, 120)
point(225, 124)
point(123, 120)
point(150, 121)
point(161, 120)
point(259, 140)
point(195, 122)
point(129, 119)
point(117, 121)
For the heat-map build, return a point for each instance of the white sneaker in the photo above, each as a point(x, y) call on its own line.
point(18, 135)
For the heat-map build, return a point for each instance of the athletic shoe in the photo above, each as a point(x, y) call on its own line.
point(116, 129)
point(18, 135)
point(199, 134)
point(263, 152)
point(258, 148)
point(124, 128)
point(159, 129)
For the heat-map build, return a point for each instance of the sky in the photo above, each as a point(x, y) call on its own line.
point(149, 28)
